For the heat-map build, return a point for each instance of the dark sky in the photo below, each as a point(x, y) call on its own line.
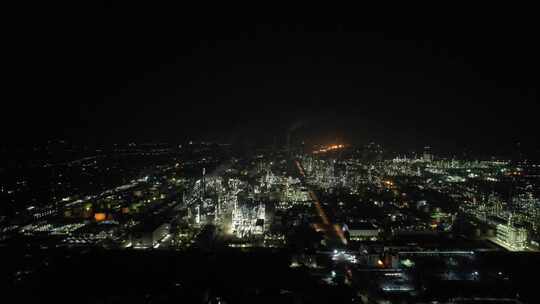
point(444, 84)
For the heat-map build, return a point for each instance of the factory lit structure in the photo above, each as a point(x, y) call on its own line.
point(340, 216)
point(508, 235)
point(231, 162)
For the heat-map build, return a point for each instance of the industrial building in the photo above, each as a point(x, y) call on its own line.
point(511, 236)
point(149, 234)
point(361, 231)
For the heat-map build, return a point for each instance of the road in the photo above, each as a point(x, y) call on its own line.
point(332, 231)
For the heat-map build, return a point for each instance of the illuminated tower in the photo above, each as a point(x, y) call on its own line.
point(427, 154)
point(217, 211)
point(203, 182)
point(261, 211)
point(514, 237)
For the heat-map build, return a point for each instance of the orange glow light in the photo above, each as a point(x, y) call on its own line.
point(99, 217)
point(329, 148)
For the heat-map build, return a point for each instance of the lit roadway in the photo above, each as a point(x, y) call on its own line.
point(320, 211)
point(328, 227)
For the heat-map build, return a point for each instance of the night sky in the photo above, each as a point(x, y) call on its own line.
point(447, 85)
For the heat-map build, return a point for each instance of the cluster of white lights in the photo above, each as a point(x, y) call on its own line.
point(343, 256)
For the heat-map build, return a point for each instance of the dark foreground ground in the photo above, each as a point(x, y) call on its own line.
point(34, 275)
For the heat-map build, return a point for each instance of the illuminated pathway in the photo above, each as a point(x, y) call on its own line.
point(326, 222)
point(319, 208)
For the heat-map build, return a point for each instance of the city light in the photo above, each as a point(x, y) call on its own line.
point(229, 162)
point(346, 209)
point(329, 148)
